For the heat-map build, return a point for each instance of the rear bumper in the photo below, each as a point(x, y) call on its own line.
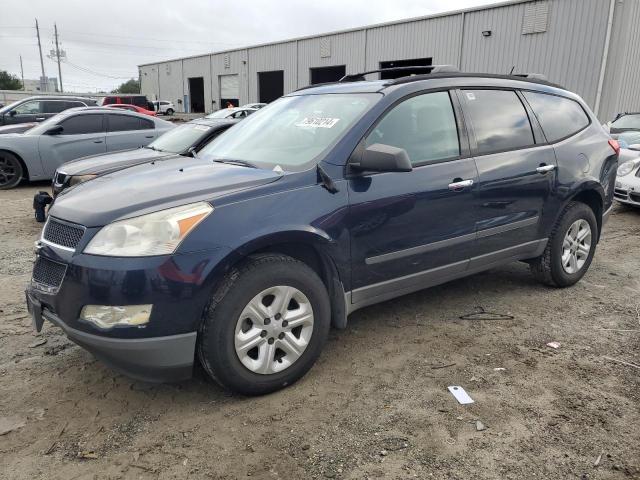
point(157, 359)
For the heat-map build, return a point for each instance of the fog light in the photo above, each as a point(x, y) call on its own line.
point(107, 316)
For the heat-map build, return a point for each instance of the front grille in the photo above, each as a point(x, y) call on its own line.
point(48, 273)
point(63, 234)
point(618, 193)
point(635, 197)
point(61, 178)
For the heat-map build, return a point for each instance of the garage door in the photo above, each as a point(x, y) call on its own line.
point(229, 89)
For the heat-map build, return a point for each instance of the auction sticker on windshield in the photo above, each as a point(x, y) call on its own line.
point(318, 122)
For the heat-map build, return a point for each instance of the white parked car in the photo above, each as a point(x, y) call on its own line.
point(627, 189)
point(257, 106)
point(164, 108)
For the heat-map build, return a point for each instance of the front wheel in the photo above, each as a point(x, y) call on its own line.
point(170, 111)
point(10, 171)
point(266, 325)
point(570, 248)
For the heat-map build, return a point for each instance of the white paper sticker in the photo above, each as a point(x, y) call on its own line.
point(202, 128)
point(318, 122)
point(471, 96)
point(462, 396)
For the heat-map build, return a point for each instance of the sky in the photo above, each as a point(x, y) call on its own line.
point(106, 41)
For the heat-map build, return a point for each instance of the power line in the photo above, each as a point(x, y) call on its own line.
point(87, 70)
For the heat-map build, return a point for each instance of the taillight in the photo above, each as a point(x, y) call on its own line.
point(615, 145)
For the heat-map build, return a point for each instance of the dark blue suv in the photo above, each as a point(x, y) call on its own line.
point(330, 199)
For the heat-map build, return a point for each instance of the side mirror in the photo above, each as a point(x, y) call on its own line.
point(383, 158)
point(12, 113)
point(192, 152)
point(54, 130)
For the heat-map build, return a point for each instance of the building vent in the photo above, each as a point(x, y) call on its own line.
point(227, 61)
point(536, 17)
point(325, 47)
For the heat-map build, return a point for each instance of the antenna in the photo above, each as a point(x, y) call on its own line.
point(512, 69)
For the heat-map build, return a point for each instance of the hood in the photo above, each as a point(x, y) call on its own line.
point(154, 186)
point(110, 162)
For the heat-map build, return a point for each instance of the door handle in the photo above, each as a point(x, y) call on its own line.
point(39, 119)
point(148, 136)
point(458, 185)
point(98, 141)
point(545, 168)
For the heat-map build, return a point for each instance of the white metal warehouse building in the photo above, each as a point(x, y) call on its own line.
point(591, 47)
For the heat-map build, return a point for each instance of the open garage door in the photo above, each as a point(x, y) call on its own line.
point(196, 95)
point(327, 74)
point(229, 90)
point(270, 85)
point(414, 62)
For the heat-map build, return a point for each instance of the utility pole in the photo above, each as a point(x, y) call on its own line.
point(22, 73)
point(43, 80)
point(55, 28)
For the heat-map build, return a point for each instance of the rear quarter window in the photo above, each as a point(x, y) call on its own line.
point(559, 117)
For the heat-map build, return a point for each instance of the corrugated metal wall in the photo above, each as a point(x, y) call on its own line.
point(198, 67)
point(281, 56)
point(569, 52)
point(621, 90)
point(345, 49)
point(438, 38)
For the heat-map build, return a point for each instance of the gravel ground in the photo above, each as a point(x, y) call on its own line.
point(376, 404)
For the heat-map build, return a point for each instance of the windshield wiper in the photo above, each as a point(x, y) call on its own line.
point(234, 161)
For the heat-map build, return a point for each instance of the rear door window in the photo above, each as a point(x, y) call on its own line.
point(559, 117)
point(499, 120)
point(124, 123)
point(82, 124)
point(54, 106)
point(424, 126)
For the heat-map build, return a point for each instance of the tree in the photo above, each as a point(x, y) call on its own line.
point(130, 86)
point(9, 82)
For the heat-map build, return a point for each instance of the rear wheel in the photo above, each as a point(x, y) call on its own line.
point(570, 248)
point(170, 111)
point(11, 171)
point(266, 325)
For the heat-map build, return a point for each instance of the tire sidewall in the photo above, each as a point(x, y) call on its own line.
point(576, 212)
point(222, 318)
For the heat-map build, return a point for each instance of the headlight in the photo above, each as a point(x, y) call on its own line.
point(76, 179)
point(626, 168)
point(157, 233)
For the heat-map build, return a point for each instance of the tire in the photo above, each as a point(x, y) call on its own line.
point(550, 268)
point(11, 172)
point(232, 323)
point(170, 111)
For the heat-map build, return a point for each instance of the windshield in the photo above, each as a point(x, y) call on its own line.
point(224, 113)
point(179, 139)
point(630, 122)
point(292, 131)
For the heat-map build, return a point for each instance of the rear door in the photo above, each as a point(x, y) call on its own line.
point(412, 229)
point(53, 107)
point(128, 131)
point(82, 135)
point(516, 169)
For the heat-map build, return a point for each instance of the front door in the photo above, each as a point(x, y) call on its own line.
point(409, 229)
point(516, 170)
point(82, 135)
point(30, 111)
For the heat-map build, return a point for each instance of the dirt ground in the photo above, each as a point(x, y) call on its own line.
point(376, 405)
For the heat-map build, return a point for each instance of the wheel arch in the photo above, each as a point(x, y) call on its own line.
point(591, 194)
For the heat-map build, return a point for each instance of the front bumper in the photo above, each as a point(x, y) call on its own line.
point(159, 359)
point(628, 193)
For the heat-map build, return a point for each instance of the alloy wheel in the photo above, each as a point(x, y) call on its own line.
point(8, 171)
point(576, 246)
point(274, 330)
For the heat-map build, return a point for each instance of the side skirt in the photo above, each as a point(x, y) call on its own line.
point(396, 287)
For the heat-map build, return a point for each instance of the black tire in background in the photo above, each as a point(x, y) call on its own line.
point(170, 111)
point(11, 171)
point(216, 347)
point(548, 268)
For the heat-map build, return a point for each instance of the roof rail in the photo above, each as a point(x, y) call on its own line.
point(530, 76)
point(359, 77)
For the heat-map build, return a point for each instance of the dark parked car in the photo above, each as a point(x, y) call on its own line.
point(327, 200)
point(130, 99)
point(186, 140)
point(37, 109)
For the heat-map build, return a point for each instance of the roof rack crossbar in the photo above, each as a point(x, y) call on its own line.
point(358, 77)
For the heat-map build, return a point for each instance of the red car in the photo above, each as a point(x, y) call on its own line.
point(133, 108)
